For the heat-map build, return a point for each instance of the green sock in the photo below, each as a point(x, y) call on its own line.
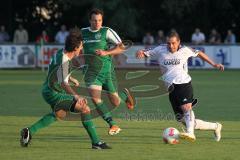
point(123, 96)
point(91, 130)
point(42, 123)
point(106, 114)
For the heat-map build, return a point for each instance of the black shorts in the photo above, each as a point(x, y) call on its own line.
point(180, 95)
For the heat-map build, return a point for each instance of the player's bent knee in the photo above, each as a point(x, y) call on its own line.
point(186, 107)
point(60, 114)
point(96, 100)
point(86, 111)
point(115, 99)
point(115, 103)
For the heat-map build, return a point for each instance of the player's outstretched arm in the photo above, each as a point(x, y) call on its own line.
point(211, 62)
point(66, 86)
point(118, 49)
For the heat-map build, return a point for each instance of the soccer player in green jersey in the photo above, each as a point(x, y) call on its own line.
point(58, 93)
point(100, 74)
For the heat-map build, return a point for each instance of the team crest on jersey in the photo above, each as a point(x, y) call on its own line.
point(98, 36)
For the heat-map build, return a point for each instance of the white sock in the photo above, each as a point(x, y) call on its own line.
point(203, 125)
point(189, 118)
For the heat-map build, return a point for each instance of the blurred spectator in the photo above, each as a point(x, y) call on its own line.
point(43, 37)
point(148, 40)
point(198, 37)
point(20, 35)
point(214, 37)
point(4, 36)
point(61, 35)
point(160, 38)
point(173, 30)
point(230, 38)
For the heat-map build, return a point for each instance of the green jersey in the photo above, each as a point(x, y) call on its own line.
point(98, 39)
point(58, 71)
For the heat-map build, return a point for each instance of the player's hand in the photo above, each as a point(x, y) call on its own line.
point(219, 66)
point(80, 100)
point(75, 82)
point(85, 109)
point(82, 104)
point(140, 54)
point(100, 52)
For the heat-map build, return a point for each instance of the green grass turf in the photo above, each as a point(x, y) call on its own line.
point(22, 104)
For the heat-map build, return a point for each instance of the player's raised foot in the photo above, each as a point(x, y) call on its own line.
point(130, 102)
point(188, 136)
point(100, 145)
point(25, 137)
point(114, 130)
point(217, 132)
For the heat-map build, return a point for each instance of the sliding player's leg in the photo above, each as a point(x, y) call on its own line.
point(89, 126)
point(26, 133)
point(60, 103)
point(45, 121)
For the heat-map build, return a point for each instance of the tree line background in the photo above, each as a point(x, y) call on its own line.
point(129, 18)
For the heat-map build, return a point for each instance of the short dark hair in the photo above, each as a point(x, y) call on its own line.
point(95, 11)
point(73, 40)
point(173, 34)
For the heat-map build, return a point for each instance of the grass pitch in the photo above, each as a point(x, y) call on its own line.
point(22, 104)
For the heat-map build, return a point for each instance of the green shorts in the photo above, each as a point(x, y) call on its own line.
point(108, 81)
point(58, 101)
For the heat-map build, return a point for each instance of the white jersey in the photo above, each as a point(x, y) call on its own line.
point(173, 65)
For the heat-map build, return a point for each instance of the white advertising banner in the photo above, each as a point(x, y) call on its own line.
point(229, 56)
point(17, 56)
point(23, 56)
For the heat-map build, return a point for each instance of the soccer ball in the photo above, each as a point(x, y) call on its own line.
point(171, 135)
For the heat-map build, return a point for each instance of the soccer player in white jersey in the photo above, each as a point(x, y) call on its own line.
point(173, 64)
